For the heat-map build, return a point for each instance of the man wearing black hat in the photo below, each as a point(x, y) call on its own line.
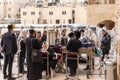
point(9, 48)
point(73, 46)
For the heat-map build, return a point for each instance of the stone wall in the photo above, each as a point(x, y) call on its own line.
point(99, 13)
point(101, 1)
point(117, 30)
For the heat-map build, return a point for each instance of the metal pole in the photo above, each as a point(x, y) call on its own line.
point(48, 66)
point(78, 66)
point(18, 63)
point(66, 67)
point(0, 65)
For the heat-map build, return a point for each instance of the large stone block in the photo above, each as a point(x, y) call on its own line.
point(99, 13)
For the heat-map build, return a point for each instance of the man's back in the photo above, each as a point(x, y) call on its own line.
point(9, 48)
point(8, 43)
point(73, 45)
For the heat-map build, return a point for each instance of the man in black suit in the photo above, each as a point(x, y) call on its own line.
point(9, 48)
point(34, 68)
point(73, 46)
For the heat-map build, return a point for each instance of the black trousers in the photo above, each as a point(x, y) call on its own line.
point(44, 66)
point(72, 64)
point(105, 52)
point(21, 62)
point(8, 63)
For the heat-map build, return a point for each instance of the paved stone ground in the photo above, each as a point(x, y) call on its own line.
point(58, 76)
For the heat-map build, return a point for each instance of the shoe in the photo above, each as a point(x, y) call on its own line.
point(11, 78)
point(72, 75)
point(1, 57)
point(5, 76)
point(23, 72)
point(85, 69)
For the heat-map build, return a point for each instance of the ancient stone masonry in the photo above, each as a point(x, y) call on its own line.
point(117, 27)
point(117, 31)
point(101, 1)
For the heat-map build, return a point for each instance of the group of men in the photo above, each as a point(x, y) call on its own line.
point(9, 48)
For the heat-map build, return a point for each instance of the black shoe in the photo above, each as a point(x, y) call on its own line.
point(11, 78)
point(72, 75)
point(86, 69)
point(1, 57)
point(23, 72)
point(5, 76)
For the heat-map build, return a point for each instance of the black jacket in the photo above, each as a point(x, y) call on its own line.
point(22, 48)
point(40, 44)
point(9, 43)
point(106, 41)
point(44, 38)
point(63, 41)
point(73, 45)
point(34, 68)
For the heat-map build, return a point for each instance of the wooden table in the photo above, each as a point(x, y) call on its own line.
point(77, 58)
point(90, 53)
point(83, 50)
